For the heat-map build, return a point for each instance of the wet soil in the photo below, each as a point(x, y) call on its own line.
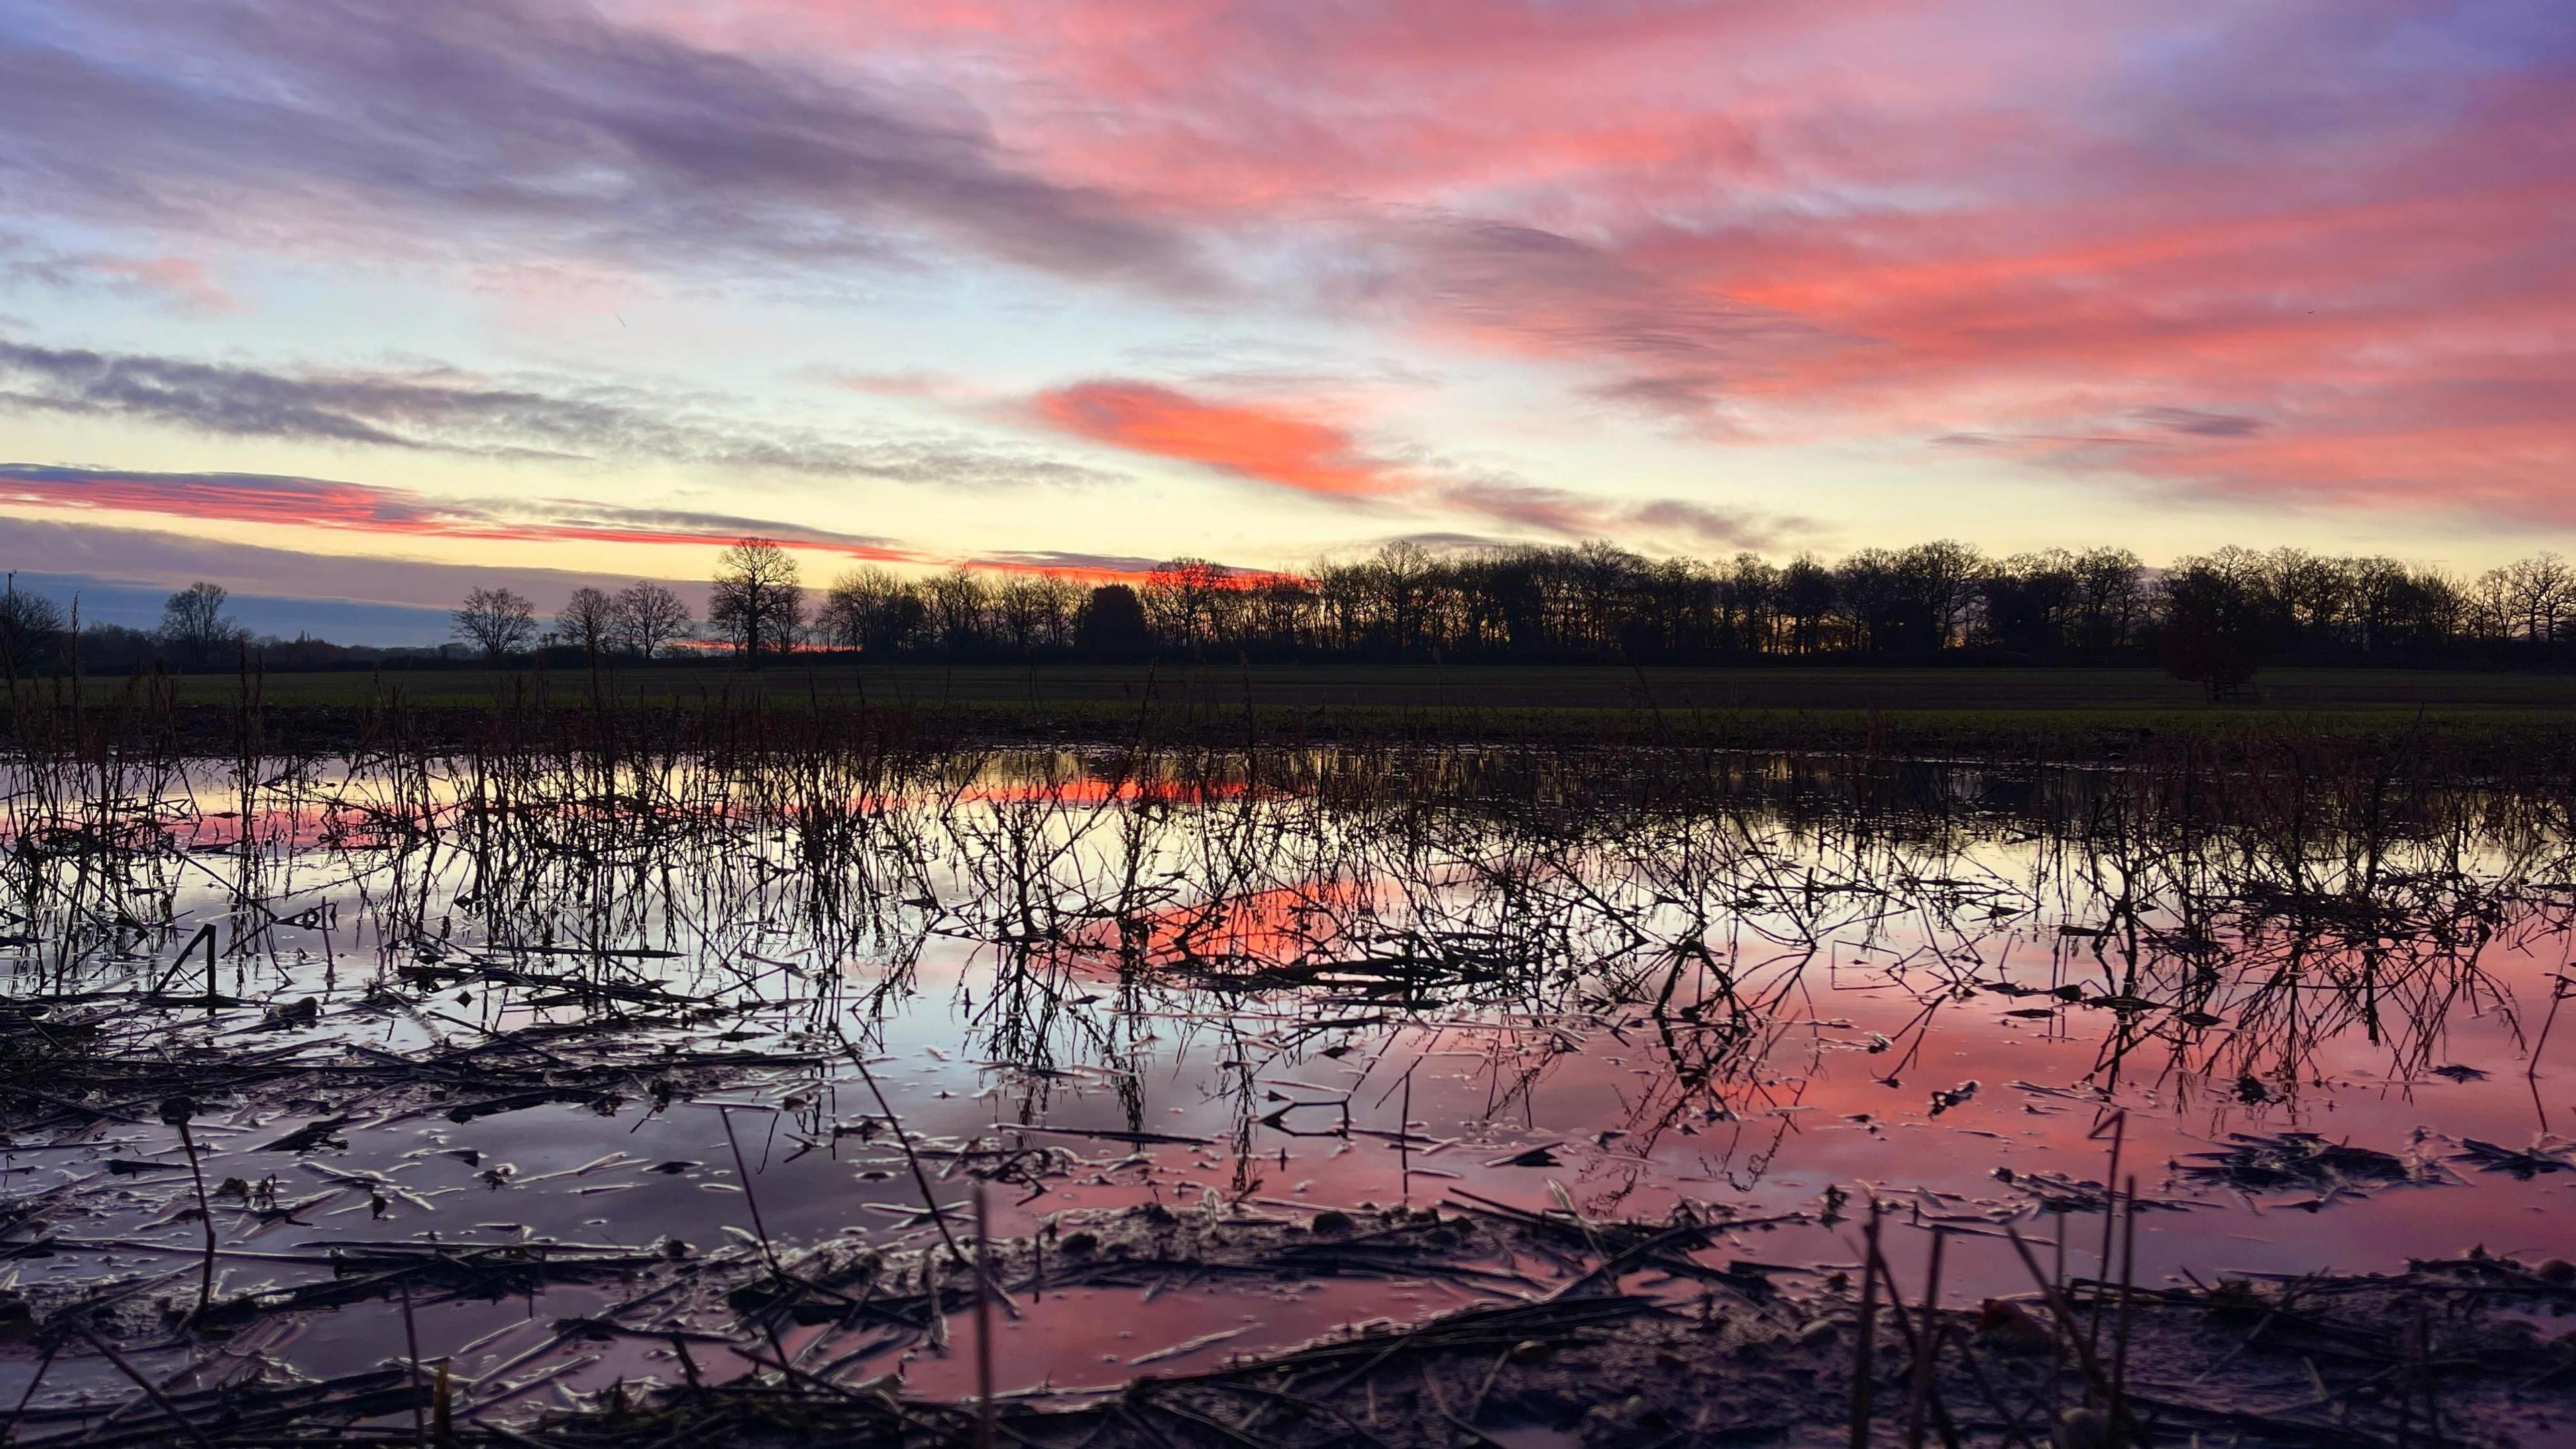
point(1631, 1352)
point(1636, 1334)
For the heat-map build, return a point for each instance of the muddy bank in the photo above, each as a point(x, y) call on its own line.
point(1615, 1334)
point(1647, 1345)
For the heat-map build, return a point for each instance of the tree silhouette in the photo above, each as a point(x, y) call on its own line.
point(1113, 623)
point(31, 632)
point(2213, 626)
point(649, 616)
point(758, 604)
point(194, 627)
point(2213, 616)
point(588, 619)
point(497, 621)
point(871, 609)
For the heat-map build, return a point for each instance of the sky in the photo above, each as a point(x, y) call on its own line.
point(367, 302)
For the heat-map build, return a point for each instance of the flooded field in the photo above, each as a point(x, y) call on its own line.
point(561, 1077)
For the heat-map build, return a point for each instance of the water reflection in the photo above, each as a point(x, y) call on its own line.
point(515, 999)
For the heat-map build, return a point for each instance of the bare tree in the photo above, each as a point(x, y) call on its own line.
point(1184, 598)
point(958, 602)
point(1940, 585)
point(1024, 607)
point(589, 619)
point(1343, 592)
point(870, 608)
point(758, 602)
point(2216, 627)
point(2110, 596)
point(1748, 599)
point(1869, 597)
point(649, 616)
point(31, 631)
point(2487, 608)
point(1806, 601)
point(2543, 590)
point(1403, 571)
point(1281, 604)
point(496, 621)
point(194, 626)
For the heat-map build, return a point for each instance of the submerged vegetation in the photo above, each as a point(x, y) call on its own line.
point(746, 1073)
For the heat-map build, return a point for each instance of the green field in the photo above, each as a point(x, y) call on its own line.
point(1512, 688)
point(2504, 720)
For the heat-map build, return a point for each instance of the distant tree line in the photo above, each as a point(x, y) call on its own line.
point(642, 620)
point(40, 636)
point(2214, 617)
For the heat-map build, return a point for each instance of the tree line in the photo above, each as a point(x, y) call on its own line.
point(39, 636)
point(2214, 616)
point(642, 620)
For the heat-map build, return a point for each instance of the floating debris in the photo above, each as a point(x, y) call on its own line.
point(2296, 1161)
point(452, 1023)
point(2547, 1155)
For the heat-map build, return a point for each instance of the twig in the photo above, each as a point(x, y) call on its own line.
point(2128, 1275)
point(1865, 1348)
point(28, 1397)
point(983, 1323)
point(411, 1341)
point(158, 1398)
point(938, 1214)
point(2119, 1136)
point(2065, 1318)
point(742, 1175)
point(176, 1111)
point(1927, 1346)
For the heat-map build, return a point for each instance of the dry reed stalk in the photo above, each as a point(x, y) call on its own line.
point(1927, 1346)
point(2119, 1126)
point(2120, 1337)
point(983, 1323)
point(1865, 1343)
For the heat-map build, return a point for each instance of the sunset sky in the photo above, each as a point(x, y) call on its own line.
point(373, 300)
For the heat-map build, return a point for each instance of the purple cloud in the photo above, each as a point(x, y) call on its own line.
point(542, 123)
point(446, 410)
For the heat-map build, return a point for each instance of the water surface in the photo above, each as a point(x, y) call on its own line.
point(560, 1002)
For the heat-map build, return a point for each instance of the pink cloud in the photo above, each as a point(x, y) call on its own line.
point(2345, 221)
point(1258, 441)
point(184, 283)
point(181, 283)
point(1863, 218)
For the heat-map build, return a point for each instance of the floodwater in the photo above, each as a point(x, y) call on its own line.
point(672, 1014)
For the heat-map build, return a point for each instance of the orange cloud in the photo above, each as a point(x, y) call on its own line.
point(1249, 440)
